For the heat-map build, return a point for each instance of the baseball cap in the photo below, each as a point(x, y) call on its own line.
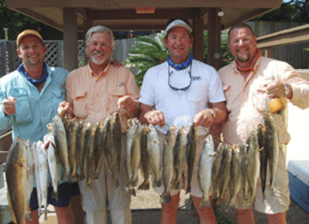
point(178, 23)
point(27, 33)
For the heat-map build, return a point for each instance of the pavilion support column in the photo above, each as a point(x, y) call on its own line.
point(198, 43)
point(70, 38)
point(214, 39)
point(87, 25)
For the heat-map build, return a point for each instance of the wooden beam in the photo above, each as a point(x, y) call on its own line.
point(82, 13)
point(70, 38)
point(141, 27)
point(217, 43)
point(39, 17)
point(248, 16)
point(203, 13)
point(6, 141)
point(284, 37)
point(3, 156)
point(198, 43)
point(131, 14)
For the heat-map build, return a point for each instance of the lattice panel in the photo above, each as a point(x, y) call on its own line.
point(81, 53)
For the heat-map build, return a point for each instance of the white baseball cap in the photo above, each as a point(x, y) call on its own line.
point(178, 23)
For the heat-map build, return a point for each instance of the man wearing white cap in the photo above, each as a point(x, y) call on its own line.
point(29, 99)
point(178, 92)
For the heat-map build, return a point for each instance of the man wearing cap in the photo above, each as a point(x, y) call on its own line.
point(177, 92)
point(94, 93)
point(30, 97)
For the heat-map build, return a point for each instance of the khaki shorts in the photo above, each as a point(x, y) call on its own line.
point(270, 204)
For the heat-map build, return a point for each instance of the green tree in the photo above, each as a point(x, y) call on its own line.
point(16, 23)
point(146, 53)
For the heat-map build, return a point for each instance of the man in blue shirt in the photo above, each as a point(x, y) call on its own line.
point(30, 97)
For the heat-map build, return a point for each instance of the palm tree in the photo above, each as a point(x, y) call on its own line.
point(146, 53)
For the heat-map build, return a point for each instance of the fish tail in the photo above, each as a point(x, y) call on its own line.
point(144, 186)
point(176, 185)
point(166, 198)
point(205, 203)
point(158, 183)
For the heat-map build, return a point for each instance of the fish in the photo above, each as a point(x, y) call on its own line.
point(89, 148)
point(131, 129)
point(30, 175)
point(35, 154)
point(272, 144)
point(135, 155)
point(43, 173)
point(154, 155)
point(263, 155)
point(224, 175)
point(71, 138)
point(80, 149)
point(204, 172)
point(58, 130)
point(53, 164)
point(117, 135)
point(179, 155)
point(191, 149)
point(215, 170)
point(235, 174)
point(98, 153)
point(168, 163)
point(16, 172)
point(243, 150)
point(145, 166)
point(110, 152)
point(253, 166)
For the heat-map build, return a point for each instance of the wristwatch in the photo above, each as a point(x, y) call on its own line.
point(213, 112)
point(287, 89)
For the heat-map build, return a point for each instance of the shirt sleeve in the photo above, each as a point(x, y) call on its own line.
point(299, 85)
point(5, 121)
point(147, 91)
point(215, 90)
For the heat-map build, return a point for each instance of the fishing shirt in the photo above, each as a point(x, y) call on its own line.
point(179, 107)
point(95, 96)
point(34, 109)
point(247, 99)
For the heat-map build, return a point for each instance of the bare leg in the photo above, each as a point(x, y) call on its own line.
point(169, 210)
point(206, 214)
point(279, 218)
point(77, 208)
point(65, 215)
point(34, 216)
point(244, 216)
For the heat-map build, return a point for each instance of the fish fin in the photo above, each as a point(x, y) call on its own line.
point(158, 183)
point(28, 216)
point(133, 192)
point(166, 198)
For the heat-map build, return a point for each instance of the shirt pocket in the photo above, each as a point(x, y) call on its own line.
point(23, 107)
point(260, 99)
point(80, 104)
point(54, 99)
point(227, 92)
point(199, 92)
point(114, 95)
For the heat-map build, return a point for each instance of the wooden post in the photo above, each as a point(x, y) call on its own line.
point(198, 43)
point(214, 39)
point(87, 25)
point(70, 38)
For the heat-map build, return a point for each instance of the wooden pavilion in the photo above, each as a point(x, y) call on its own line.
point(73, 16)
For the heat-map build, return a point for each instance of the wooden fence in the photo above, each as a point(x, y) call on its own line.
point(293, 54)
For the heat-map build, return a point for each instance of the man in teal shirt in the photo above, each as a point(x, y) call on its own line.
point(30, 97)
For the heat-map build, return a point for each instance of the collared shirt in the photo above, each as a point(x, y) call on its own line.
point(95, 96)
point(180, 107)
point(34, 109)
point(247, 99)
